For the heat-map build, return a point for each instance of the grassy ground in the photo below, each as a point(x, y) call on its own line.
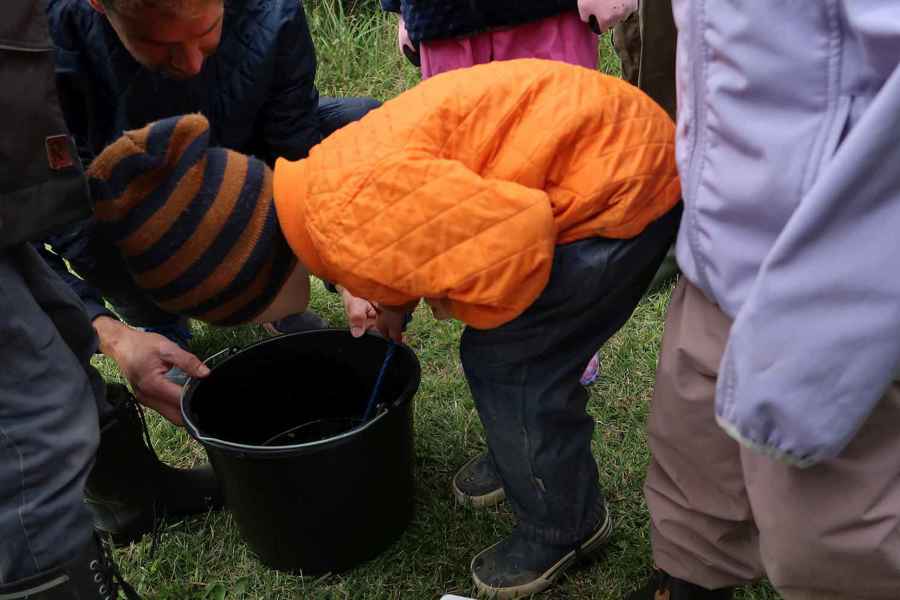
point(206, 558)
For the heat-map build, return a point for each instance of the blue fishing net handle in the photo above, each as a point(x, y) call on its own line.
point(373, 399)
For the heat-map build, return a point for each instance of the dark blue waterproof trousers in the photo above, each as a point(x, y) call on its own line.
point(524, 378)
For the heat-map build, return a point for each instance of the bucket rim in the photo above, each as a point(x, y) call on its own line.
point(258, 450)
point(233, 351)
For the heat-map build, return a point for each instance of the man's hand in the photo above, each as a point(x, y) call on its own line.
point(144, 359)
point(602, 15)
point(361, 314)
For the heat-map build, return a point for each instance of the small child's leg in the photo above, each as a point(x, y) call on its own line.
point(524, 379)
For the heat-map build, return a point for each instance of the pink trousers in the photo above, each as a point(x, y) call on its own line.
point(564, 37)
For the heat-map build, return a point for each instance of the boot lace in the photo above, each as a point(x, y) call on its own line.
point(108, 578)
point(129, 404)
point(157, 521)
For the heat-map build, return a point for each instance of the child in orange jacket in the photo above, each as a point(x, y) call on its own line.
point(530, 199)
point(460, 34)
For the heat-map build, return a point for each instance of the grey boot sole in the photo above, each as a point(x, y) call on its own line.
point(492, 498)
point(588, 549)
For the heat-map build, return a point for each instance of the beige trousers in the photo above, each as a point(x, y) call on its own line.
point(723, 515)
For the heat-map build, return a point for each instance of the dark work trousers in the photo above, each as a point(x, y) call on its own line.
point(524, 379)
point(48, 416)
point(101, 266)
point(645, 43)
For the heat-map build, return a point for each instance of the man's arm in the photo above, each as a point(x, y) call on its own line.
point(818, 340)
point(290, 120)
point(72, 81)
point(390, 5)
point(144, 359)
point(93, 301)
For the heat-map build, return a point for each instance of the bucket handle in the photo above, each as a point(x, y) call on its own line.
point(230, 350)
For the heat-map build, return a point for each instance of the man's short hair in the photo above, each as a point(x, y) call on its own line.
point(130, 7)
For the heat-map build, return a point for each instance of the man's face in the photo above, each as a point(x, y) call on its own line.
point(175, 44)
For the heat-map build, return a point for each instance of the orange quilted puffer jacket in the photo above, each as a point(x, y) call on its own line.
point(460, 188)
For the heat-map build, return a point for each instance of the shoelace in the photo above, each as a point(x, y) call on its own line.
point(108, 578)
point(157, 521)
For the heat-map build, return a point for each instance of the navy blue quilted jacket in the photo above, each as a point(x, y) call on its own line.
point(258, 89)
point(440, 19)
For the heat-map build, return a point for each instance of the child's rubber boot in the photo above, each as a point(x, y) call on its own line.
point(477, 483)
point(517, 567)
point(306, 321)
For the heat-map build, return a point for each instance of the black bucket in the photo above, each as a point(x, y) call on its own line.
point(311, 487)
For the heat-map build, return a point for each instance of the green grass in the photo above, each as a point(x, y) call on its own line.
point(206, 558)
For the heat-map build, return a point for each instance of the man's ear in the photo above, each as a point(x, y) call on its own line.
point(98, 6)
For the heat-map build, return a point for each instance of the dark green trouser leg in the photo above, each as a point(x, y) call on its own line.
point(646, 43)
point(627, 42)
point(659, 36)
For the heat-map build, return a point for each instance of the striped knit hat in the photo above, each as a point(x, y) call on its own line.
point(196, 225)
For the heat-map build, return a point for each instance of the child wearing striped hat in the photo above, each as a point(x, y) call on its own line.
point(531, 200)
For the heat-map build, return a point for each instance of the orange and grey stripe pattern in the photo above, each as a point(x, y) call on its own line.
point(196, 225)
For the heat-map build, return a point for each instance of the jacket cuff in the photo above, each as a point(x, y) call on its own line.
point(96, 309)
point(780, 455)
point(390, 5)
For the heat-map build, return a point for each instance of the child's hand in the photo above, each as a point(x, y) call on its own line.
point(604, 14)
point(390, 322)
point(361, 314)
point(440, 308)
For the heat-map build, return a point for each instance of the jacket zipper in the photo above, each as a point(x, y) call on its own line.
point(700, 94)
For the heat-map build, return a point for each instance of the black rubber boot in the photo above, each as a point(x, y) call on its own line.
point(477, 483)
point(665, 587)
point(305, 321)
point(517, 567)
point(91, 575)
point(130, 491)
